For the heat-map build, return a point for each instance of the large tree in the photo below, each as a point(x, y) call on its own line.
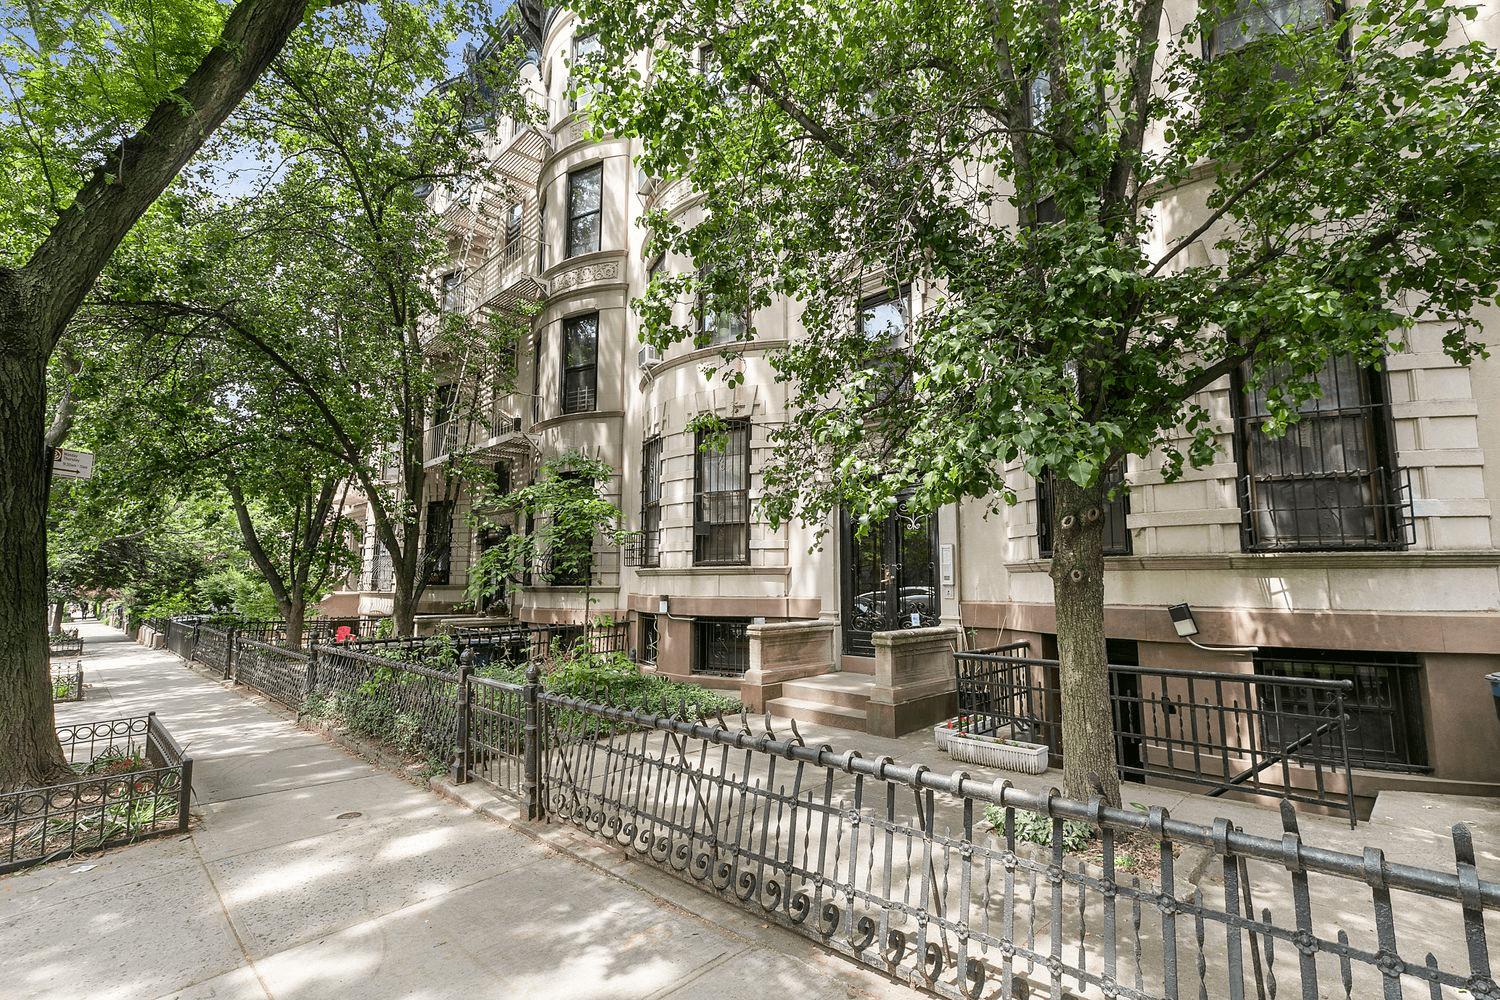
point(343, 292)
point(105, 103)
point(1104, 211)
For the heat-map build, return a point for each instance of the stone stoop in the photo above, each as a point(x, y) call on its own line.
point(839, 700)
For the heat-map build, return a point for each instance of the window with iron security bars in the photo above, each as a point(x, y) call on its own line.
point(650, 638)
point(1116, 510)
point(646, 550)
point(721, 498)
point(1330, 481)
point(1383, 712)
point(643, 550)
point(721, 647)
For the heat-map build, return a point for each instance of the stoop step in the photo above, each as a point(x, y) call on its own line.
point(837, 716)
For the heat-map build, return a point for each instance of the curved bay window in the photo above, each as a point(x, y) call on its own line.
point(1330, 482)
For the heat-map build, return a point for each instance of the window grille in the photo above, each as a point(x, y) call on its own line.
point(1384, 712)
point(1329, 482)
point(721, 499)
point(721, 647)
point(580, 363)
point(650, 638)
point(650, 540)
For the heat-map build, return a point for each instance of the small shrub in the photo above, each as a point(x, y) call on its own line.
point(1037, 829)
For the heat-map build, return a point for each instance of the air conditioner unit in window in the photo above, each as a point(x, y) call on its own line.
point(648, 355)
point(702, 529)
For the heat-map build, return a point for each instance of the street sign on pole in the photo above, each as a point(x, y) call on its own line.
point(72, 464)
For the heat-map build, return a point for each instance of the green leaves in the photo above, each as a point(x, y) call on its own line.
point(1296, 196)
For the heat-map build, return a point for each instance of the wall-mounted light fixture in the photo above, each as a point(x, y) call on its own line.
point(1182, 620)
point(662, 607)
point(1183, 623)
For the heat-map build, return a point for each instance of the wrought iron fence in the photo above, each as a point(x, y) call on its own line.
point(65, 643)
point(67, 682)
point(898, 868)
point(280, 673)
point(214, 647)
point(135, 782)
point(1250, 733)
point(928, 878)
point(409, 706)
point(182, 636)
point(493, 735)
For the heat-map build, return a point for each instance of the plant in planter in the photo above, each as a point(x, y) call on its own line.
point(966, 725)
point(993, 749)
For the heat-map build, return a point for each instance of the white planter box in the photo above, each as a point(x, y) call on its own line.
point(1013, 755)
point(943, 732)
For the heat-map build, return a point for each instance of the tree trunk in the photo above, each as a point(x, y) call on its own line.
point(403, 603)
point(1088, 738)
point(36, 304)
point(294, 610)
point(29, 751)
point(57, 616)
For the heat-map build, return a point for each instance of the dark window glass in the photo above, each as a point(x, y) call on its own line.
point(502, 478)
point(1383, 711)
point(650, 543)
point(721, 647)
point(439, 540)
point(1330, 481)
point(1116, 510)
point(585, 209)
point(580, 363)
point(721, 499)
point(541, 234)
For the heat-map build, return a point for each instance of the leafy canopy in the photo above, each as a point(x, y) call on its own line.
point(1100, 222)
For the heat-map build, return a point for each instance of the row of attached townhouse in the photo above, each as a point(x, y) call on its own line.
point(1363, 546)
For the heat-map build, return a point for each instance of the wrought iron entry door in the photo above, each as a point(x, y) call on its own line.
point(889, 578)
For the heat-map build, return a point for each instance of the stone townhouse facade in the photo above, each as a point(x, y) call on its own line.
point(1364, 546)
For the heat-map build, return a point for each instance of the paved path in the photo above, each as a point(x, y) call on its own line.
point(308, 873)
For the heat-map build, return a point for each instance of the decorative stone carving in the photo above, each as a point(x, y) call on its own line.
point(588, 274)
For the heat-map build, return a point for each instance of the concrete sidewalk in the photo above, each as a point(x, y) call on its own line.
point(310, 873)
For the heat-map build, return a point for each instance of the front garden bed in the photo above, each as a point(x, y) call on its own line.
point(67, 682)
point(134, 782)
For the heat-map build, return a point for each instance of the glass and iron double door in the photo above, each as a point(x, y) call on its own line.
point(889, 578)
